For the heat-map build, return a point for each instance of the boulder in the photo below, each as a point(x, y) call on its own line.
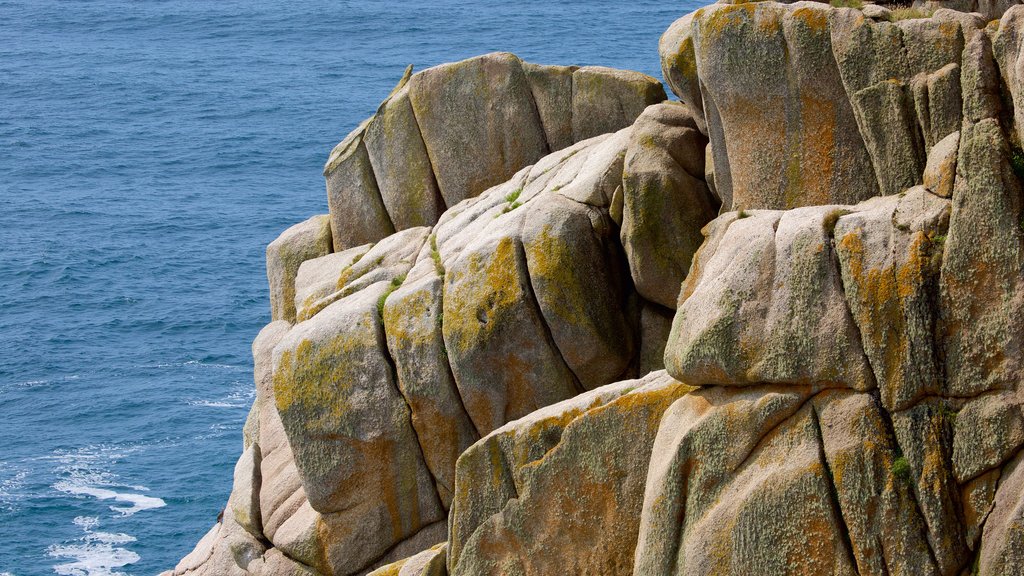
point(764, 303)
point(889, 252)
point(303, 241)
point(430, 562)
point(679, 67)
point(350, 432)
point(725, 462)
point(796, 143)
point(412, 322)
point(981, 285)
point(665, 201)
point(940, 170)
point(530, 493)
point(331, 279)
point(318, 278)
point(358, 214)
point(1002, 543)
point(401, 163)
point(552, 91)
point(464, 110)
point(606, 100)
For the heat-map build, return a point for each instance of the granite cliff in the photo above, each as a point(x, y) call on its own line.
point(556, 323)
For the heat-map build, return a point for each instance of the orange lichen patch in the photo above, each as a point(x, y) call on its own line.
point(813, 18)
point(723, 17)
point(755, 137)
point(809, 173)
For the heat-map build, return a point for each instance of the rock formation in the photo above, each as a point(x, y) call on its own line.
point(556, 324)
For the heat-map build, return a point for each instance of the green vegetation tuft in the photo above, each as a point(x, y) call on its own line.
point(947, 413)
point(901, 468)
point(908, 13)
point(858, 4)
point(742, 214)
point(513, 195)
point(395, 283)
point(1017, 162)
point(829, 223)
point(436, 256)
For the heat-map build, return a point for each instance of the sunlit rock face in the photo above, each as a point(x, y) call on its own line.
point(555, 324)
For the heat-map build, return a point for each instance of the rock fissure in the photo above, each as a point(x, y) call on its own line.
point(830, 475)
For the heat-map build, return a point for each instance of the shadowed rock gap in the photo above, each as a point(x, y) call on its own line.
point(837, 509)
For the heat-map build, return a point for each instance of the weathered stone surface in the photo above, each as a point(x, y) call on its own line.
point(430, 562)
point(412, 321)
point(889, 250)
point(781, 126)
point(434, 535)
point(465, 111)
point(531, 493)
point(665, 200)
point(726, 461)
point(277, 564)
point(764, 303)
point(349, 430)
point(244, 502)
point(1006, 48)
point(304, 241)
point(502, 355)
point(226, 550)
point(575, 266)
point(876, 12)
point(978, 497)
point(552, 91)
point(876, 498)
point(888, 123)
point(401, 165)
point(903, 80)
point(923, 433)
point(358, 214)
point(388, 260)
point(1002, 543)
point(655, 326)
point(679, 67)
point(940, 170)
point(280, 492)
point(606, 99)
point(981, 283)
point(939, 103)
point(318, 278)
point(988, 431)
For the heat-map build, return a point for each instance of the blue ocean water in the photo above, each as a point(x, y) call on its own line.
point(149, 150)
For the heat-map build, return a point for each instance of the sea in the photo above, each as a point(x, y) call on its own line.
point(149, 151)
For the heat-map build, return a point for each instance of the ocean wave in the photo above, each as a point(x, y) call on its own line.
point(139, 502)
point(86, 472)
point(240, 396)
point(10, 488)
point(37, 383)
point(95, 553)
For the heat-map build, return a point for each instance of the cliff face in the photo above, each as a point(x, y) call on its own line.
point(556, 324)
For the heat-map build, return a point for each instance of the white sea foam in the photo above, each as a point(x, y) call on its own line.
point(10, 488)
point(241, 396)
point(139, 502)
point(85, 473)
point(95, 553)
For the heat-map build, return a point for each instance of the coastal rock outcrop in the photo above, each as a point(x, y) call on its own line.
point(452, 131)
point(770, 329)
